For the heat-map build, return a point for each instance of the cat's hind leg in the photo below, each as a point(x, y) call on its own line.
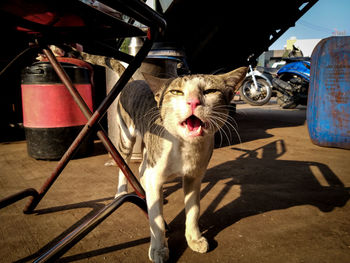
point(125, 144)
point(158, 251)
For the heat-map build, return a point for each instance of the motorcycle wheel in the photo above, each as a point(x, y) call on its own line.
point(286, 101)
point(256, 99)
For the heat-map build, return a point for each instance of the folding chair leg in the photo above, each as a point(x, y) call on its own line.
point(86, 227)
point(93, 120)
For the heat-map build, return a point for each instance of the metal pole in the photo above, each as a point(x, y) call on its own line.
point(93, 120)
point(86, 227)
point(88, 114)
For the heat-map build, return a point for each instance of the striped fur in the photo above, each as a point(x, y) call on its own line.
point(177, 120)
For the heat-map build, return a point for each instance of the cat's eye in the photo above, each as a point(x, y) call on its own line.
point(176, 92)
point(209, 91)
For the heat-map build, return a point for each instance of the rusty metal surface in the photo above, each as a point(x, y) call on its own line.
point(93, 120)
point(328, 113)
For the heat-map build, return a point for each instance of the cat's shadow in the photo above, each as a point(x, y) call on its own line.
point(265, 184)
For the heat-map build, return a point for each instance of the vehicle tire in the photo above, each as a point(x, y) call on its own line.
point(256, 99)
point(285, 101)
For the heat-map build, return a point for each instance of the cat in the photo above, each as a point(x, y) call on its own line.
point(177, 119)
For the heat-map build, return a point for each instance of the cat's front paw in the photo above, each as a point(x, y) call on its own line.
point(200, 245)
point(158, 255)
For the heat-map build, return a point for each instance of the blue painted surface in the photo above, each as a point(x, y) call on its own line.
point(328, 109)
point(300, 68)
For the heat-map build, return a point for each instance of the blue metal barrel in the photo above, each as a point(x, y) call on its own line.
point(328, 109)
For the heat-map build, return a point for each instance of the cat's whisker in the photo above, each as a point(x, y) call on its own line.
point(151, 113)
point(225, 120)
point(227, 115)
point(212, 120)
point(221, 137)
point(156, 128)
point(221, 130)
point(214, 125)
point(236, 131)
point(229, 125)
point(152, 120)
point(161, 132)
point(231, 119)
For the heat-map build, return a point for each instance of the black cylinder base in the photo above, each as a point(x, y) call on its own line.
point(52, 143)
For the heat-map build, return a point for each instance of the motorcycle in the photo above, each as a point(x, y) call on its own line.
point(256, 89)
point(292, 83)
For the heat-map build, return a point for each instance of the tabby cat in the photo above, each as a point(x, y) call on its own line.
point(177, 119)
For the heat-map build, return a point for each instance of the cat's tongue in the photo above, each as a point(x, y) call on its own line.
point(194, 126)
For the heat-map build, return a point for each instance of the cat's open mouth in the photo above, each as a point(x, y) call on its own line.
point(194, 126)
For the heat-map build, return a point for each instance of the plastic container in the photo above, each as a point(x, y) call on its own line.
point(51, 118)
point(328, 109)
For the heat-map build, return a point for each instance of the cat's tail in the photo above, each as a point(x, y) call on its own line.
point(103, 61)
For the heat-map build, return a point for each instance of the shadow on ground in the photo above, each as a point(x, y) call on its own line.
point(250, 124)
point(95, 206)
point(266, 184)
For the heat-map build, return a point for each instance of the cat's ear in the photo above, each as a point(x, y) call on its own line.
point(234, 79)
point(154, 83)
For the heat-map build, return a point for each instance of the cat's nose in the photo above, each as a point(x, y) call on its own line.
point(193, 102)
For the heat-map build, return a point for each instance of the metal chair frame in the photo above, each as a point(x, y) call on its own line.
point(138, 11)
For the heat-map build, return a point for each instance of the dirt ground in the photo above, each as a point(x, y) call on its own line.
point(273, 197)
